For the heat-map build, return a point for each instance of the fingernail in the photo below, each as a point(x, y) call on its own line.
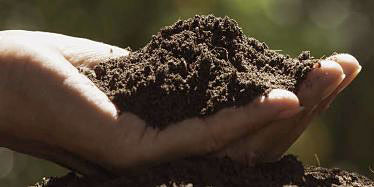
point(290, 113)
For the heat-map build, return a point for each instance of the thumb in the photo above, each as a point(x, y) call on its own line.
point(78, 51)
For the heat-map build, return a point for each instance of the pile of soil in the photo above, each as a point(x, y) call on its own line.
point(195, 68)
point(221, 172)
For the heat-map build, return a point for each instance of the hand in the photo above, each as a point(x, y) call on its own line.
point(49, 110)
point(316, 94)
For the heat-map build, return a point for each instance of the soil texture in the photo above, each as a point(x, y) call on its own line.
point(195, 68)
point(221, 172)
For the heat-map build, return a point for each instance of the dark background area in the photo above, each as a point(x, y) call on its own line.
point(342, 137)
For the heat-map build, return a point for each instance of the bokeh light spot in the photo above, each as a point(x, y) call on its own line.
point(329, 14)
point(284, 12)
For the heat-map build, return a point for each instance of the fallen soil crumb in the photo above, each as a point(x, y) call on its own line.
point(195, 68)
point(221, 172)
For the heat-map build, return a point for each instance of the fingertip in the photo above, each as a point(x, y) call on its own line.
point(351, 69)
point(321, 82)
point(282, 99)
point(280, 94)
point(331, 68)
point(331, 72)
point(349, 63)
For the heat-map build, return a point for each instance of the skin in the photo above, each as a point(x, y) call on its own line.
point(49, 110)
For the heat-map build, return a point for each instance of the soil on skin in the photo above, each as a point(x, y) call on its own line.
point(221, 172)
point(195, 68)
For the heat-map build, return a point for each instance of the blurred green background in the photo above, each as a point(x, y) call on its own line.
point(342, 137)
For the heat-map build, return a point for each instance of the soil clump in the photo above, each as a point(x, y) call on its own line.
point(196, 67)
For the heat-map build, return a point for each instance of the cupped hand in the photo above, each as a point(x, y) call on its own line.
point(317, 92)
point(49, 110)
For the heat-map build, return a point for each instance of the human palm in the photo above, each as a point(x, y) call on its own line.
point(49, 110)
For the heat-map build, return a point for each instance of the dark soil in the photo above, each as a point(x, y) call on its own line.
point(195, 68)
point(222, 172)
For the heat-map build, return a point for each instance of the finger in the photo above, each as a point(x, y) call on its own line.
point(266, 144)
point(199, 136)
point(320, 83)
point(351, 69)
point(270, 142)
point(78, 51)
